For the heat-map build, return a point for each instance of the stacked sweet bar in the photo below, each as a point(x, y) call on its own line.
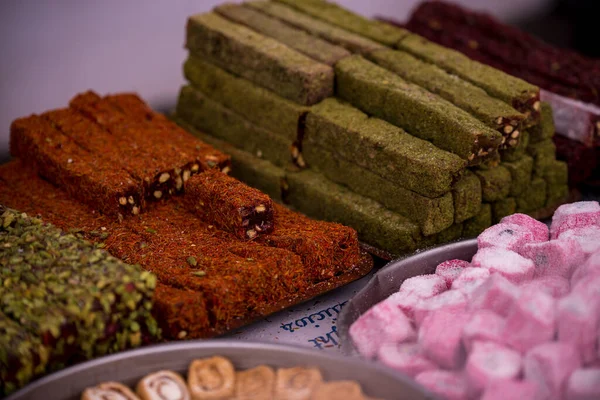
point(64, 300)
point(356, 121)
point(570, 80)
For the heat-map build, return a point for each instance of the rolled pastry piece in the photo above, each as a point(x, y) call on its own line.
point(211, 378)
point(296, 383)
point(340, 390)
point(163, 385)
point(109, 390)
point(255, 384)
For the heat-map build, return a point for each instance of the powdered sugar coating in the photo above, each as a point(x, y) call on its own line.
point(555, 257)
point(424, 286)
point(406, 358)
point(540, 231)
point(484, 325)
point(506, 236)
point(509, 264)
point(574, 215)
point(450, 270)
point(488, 362)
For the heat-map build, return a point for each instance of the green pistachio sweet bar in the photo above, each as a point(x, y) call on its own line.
point(382, 148)
point(534, 198)
point(348, 40)
point(454, 232)
point(544, 154)
point(556, 175)
point(495, 183)
point(432, 215)
point(215, 119)
point(299, 40)
point(328, 11)
point(520, 172)
point(545, 129)
point(483, 220)
point(519, 94)
point(384, 94)
point(466, 195)
point(259, 59)
point(493, 112)
point(255, 103)
point(316, 196)
point(517, 152)
point(503, 208)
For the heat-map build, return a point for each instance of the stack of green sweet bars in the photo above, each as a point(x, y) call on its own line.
point(351, 120)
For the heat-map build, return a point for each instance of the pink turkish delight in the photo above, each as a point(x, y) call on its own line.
point(589, 270)
point(509, 264)
point(469, 280)
point(531, 321)
point(556, 286)
point(555, 257)
point(449, 385)
point(538, 229)
point(450, 270)
point(549, 365)
point(406, 358)
point(577, 321)
point(424, 286)
point(509, 390)
point(440, 338)
point(405, 301)
point(451, 300)
point(383, 323)
point(506, 236)
point(489, 362)
point(574, 215)
point(497, 294)
point(484, 325)
point(588, 238)
point(584, 384)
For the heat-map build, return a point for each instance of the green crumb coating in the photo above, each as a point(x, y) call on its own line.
point(317, 197)
point(534, 198)
point(514, 91)
point(217, 120)
point(258, 105)
point(81, 301)
point(556, 194)
point(503, 208)
point(328, 11)
point(297, 39)
point(466, 194)
point(259, 59)
point(517, 152)
point(493, 112)
point(382, 148)
point(545, 129)
point(22, 356)
point(520, 172)
point(474, 226)
point(556, 176)
point(432, 215)
point(495, 183)
point(348, 40)
point(544, 154)
point(253, 171)
point(450, 234)
point(382, 93)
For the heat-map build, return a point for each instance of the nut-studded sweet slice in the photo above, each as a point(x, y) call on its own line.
point(109, 390)
point(211, 378)
point(256, 383)
point(87, 177)
point(296, 383)
point(163, 385)
point(230, 204)
point(339, 390)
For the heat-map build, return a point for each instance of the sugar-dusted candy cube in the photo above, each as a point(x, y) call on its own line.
point(509, 390)
point(424, 286)
point(556, 286)
point(574, 215)
point(450, 270)
point(539, 230)
point(449, 300)
point(531, 321)
point(577, 320)
point(383, 323)
point(587, 237)
point(506, 236)
point(589, 286)
point(554, 257)
point(549, 365)
point(484, 325)
point(449, 385)
point(405, 301)
point(469, 280)
point(488, 362)
point(590, 269)
point(497, 294)
point(406, 358)
point(584, 384)
point(440, 338)
point(509, 264)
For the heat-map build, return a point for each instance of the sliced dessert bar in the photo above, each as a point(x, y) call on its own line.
point(466, 195)
point(495, 183)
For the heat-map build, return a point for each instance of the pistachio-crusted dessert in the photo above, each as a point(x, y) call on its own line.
point(230, 204)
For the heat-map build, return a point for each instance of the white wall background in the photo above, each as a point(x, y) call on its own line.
point(53, 49)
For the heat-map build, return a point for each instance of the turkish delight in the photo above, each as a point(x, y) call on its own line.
point(451, 385)
point(495, 183)
point(520, 173)
point(440, 338)
point(488, 362)
point(163, 382)
point(483, 326)
point(555, 257)
point(538, 229)
point(496, 294)
point(549, 365)
point(467, 196)
point(405, 357)
point(507, 263)
point(450, 270)
point(504, 235)
point(577, 321)
point(575, 215)
point(583, 384)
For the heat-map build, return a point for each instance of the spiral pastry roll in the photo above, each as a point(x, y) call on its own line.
point(109, 391)
point(296, 383)
point(255, 384)
point(163, 385)
point(340, 390)
point(211, 378)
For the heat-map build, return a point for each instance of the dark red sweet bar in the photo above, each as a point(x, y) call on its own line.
point(87, 177)
point(230, 204)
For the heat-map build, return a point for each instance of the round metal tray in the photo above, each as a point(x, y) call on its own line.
point(388, 280)
point(130, 366)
